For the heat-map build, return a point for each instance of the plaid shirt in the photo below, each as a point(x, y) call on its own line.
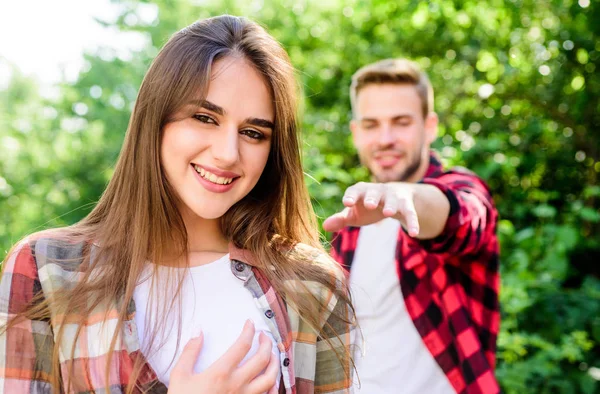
point(450, 283)
point(307, 363)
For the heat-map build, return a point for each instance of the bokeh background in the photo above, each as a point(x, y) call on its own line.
point(517, 92)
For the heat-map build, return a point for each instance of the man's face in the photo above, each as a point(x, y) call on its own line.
point(390, 133)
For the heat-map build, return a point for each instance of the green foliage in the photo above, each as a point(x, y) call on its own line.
point(517, 93)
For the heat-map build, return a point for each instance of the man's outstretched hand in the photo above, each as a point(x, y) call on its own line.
point(368, 203)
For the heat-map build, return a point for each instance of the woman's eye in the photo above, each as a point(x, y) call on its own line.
point(204, 119)
point(253, 134)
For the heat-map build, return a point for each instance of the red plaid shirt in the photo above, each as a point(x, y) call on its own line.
point(450, 283)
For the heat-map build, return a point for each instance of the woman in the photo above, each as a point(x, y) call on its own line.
point(200, 268)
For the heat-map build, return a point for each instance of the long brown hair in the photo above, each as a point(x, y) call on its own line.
point(137, 215)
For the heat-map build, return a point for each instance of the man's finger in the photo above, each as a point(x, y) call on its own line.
point(353, 194)
point(189, 355)
point(373, 195)
point(337, 221)
point(236, 353)
point(390, 204)
point(408, 211)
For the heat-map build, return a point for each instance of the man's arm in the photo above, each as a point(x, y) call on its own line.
point(453, 213)
point(421, 209)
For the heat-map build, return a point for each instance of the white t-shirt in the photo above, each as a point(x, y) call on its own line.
point(213, 301)
point(394, 358)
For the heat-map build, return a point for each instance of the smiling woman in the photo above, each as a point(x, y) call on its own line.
point(223, 148)
point(200, 269)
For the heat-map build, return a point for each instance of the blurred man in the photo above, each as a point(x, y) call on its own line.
point(420, 243)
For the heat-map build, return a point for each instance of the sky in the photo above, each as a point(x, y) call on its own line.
point(46, 38)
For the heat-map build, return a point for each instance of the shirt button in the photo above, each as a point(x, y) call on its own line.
point(240, 267)
point(286, 362)
point(269, 313)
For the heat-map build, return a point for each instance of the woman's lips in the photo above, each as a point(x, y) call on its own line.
point(212, 186)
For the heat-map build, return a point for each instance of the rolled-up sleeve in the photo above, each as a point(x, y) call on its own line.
point(471, 222)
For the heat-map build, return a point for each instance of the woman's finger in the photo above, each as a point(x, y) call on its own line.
point(236, 353)
point(267, 380)
point(189, 355)
point(258, 362)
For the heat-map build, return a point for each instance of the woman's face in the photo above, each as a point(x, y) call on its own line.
point(215, 157)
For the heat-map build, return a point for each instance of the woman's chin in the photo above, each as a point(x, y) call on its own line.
point(207, 211)
point(212, 214)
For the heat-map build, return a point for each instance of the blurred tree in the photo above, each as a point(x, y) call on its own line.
point(518, 97)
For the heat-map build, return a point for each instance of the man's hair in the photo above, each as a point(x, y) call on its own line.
point(393, 71)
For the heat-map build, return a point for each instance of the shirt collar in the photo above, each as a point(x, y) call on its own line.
point(243, 255)
point(435, 166)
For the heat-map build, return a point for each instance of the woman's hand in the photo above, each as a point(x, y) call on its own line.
point(226, 376)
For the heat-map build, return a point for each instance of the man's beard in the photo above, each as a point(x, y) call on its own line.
point(405, 175)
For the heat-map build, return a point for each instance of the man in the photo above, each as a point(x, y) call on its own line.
point(420, 243)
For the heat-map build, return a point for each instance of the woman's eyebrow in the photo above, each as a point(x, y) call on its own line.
point(221, 111)
point(208, 105)
point(261, 123)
